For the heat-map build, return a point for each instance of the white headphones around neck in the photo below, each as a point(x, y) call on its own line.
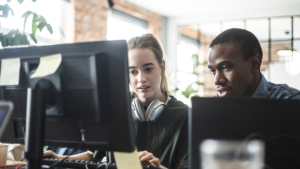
point(154, 110)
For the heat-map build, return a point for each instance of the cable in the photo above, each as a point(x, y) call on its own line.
point(7, 166)
point(20, 166)
point(295, 157)
point(82, 131)
point(237, 154)
point(100, 165)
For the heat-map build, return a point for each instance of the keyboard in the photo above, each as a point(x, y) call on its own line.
point(83, 164)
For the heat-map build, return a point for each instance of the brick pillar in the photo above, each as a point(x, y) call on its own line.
point(90, 18)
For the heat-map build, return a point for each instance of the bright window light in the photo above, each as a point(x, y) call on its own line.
point(292, 61)
point(50, 10)
point(118, 29)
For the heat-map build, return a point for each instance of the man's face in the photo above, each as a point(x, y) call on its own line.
point(232, 73)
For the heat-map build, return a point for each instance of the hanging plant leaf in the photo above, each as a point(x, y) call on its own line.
point(176, 89)
point(34, 16)
point(49, 27)
point(195, 61)
point(33, 38)
point(41, 26)
point(20, 1)
point(12, 33)
point(188, 91)
point(24, 40)
point(5, 10)
point(26, 14)
point(34, 0)
point(13, 38)
point(204, 63)
point(2, 40)
point(200, 84)
point(39, 19)
point(8, 1)
point(61, 31)
point(16, 40)
point(34, 27)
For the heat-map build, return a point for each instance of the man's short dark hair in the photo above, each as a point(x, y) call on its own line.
point(248, 43)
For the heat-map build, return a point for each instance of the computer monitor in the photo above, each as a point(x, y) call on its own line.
point(5, 112)
point(89, 91)
point(277, 122)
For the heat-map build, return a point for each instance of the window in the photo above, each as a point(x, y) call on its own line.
point(278, 36)
point(44, 8)
point(121, 25)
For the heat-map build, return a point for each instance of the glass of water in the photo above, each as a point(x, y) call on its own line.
point(225, 154)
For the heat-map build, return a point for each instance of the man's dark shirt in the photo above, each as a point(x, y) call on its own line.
point(270, 90)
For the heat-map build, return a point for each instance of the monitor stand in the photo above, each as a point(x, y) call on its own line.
point(35, 127)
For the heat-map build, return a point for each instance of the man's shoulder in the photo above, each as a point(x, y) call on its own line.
point(282, 91)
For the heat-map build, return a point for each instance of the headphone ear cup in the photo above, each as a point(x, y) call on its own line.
point(137, 110)
point(154, 110)
point(159, 111)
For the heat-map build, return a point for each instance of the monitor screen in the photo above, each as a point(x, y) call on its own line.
point(276, 122)
point(89, 90)
point(5, 112)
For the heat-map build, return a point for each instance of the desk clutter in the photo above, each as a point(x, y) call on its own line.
point(70, 164)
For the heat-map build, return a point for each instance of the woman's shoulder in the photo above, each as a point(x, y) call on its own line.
point(173, 102)
point(176, 105)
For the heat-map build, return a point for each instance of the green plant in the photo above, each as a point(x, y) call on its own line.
point(17, 37)
point(191, 87)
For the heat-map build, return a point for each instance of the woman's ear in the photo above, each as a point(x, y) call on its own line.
point(255, 63)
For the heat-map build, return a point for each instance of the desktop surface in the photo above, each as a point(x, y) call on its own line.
point(237, 118)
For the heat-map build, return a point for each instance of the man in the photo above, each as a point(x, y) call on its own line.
point(234, 59)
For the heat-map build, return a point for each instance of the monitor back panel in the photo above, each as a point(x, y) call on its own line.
point(94, 80)
point(237, 118)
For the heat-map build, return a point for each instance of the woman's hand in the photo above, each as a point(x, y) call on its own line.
point(148, 158)
point(86, 156)
point(51, 154)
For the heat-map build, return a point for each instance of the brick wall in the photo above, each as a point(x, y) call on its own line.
point(90, 20)
point(86, 20)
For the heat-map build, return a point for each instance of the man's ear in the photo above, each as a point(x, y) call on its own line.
point(255, 63)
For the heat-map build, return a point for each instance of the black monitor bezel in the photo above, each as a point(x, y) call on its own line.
point(236, 118)
point(118, 100)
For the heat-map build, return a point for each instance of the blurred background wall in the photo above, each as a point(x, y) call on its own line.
point(185, 27)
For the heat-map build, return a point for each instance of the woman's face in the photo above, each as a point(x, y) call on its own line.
point(145, 74)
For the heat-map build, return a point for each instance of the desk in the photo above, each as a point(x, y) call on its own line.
point(10, 162)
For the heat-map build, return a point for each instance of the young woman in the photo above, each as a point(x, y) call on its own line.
point(160, 119)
